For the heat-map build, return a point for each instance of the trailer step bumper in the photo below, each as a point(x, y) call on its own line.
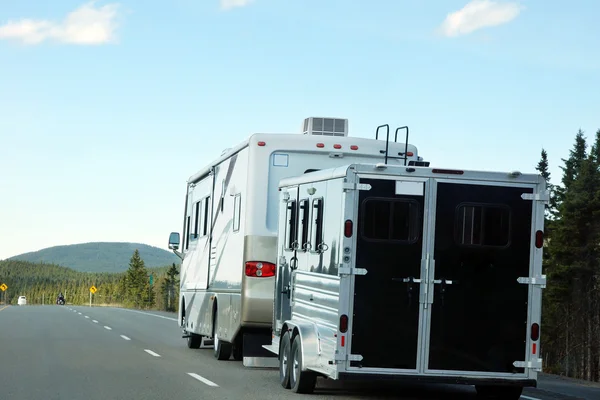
point(255, 355)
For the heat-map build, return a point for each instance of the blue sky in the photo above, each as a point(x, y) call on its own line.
point(106, 108)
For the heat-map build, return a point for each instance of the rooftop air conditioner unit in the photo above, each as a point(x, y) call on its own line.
point(325, 126)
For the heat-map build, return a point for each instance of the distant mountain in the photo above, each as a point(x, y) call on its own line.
point(100, 256)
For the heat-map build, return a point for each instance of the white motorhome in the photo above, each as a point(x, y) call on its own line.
point(229, 241)
point(407, 272)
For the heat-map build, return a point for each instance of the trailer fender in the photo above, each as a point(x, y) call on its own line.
point(309, 342)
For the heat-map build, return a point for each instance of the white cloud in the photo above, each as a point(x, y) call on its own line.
point(87, 25)
point(479, 14)
point(229, 4)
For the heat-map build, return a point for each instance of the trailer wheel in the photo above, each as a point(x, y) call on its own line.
point(285, 352)
point(222, 349)
point(194, 341)
point(499, 392)
point(300, 381)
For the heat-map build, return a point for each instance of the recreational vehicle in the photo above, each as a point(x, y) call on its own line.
point(410, 272)
point(229, 242)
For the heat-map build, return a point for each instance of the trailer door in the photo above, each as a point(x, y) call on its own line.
point(386, 322)
point(482, 245)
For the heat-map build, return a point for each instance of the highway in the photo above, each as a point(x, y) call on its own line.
point(78, 352)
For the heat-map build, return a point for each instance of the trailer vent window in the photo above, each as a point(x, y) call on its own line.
point(304, 224)
point(317, 226)
point(483, 225)
point(237, 211)
point(291, 230)
point(395, 220)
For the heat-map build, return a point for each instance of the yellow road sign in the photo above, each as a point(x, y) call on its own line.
point(3, 287)
point(93, 289)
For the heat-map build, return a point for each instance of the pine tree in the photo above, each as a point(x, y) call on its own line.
point(168, 289)
point(137, 281)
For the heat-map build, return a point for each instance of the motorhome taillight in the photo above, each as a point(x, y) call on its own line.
point(535, 332)
point(447, 171)
point(262, 143)
point(539, 239)
point(343, 323)
point(348, 228)
point(410, 154)
point(354, 147)
point(320, 145)
point(337, 146)
point(260, 269)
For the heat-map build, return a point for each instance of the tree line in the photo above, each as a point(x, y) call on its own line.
point(571, 302)
point(42, 282)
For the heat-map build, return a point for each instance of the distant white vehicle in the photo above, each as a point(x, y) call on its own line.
point(22, 301)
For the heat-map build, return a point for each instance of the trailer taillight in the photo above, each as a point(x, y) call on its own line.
point(320, 145)
point(260, 269)
point(354, 147)
point(337, 146)
point(262, 143)
point(348, 228)
point(535, 332)
point(539, 239)
point(343, 323)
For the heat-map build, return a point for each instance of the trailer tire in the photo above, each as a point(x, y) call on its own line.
point(222, 349)
point(194, 341)
point(285, 352)
point(300, 381)
point(499, 392)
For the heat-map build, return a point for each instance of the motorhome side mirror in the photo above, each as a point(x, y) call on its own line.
point(174, 241)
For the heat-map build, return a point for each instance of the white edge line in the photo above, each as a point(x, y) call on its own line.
point(108, 327)
point(529, 398)
point(125, 337)
point(202, 379)
point(94, 321)
point(151, 353)
point(145, 313)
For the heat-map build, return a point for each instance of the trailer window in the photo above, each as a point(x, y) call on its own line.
point(317, 226)
point(206, 216)
point(304, 224)
point(395, 220)
point(237, 210)
point(291, 230)
point(483, 225)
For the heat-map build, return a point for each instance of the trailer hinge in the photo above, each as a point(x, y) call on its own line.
point(356, 186)
point(348, 357)
point(352, 271)
point(543, 197)
point(536, 364)
point(538, 280)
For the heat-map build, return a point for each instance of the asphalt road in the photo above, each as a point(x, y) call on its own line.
point(65, 352)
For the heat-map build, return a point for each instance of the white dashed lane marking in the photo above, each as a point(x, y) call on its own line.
point(151, 353)
point(107, 327)
point(202, 379)
point(125, 337)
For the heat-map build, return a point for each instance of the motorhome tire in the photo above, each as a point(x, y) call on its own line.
point(300, 381)
point(222, 349)
point(284, 360)
point(499, 392)
point(194, 341)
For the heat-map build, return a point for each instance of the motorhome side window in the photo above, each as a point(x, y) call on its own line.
point(197, 211)
point(304, 224)
point(483, 225)
point(206, 217)
point(291, 230)
point(316, 240)
point(187, 233)
point(237, 210)
point(391, 220)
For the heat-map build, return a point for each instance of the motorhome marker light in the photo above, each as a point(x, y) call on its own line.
point(260, 269)
point(262, 143)
point(320, 145)
point(337, 146)
point(354, 147)
point(410, 154)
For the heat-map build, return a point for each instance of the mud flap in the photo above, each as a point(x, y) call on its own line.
point(255, 355)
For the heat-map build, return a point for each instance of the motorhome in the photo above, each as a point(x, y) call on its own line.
point(410, 272)
point(229, 242)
